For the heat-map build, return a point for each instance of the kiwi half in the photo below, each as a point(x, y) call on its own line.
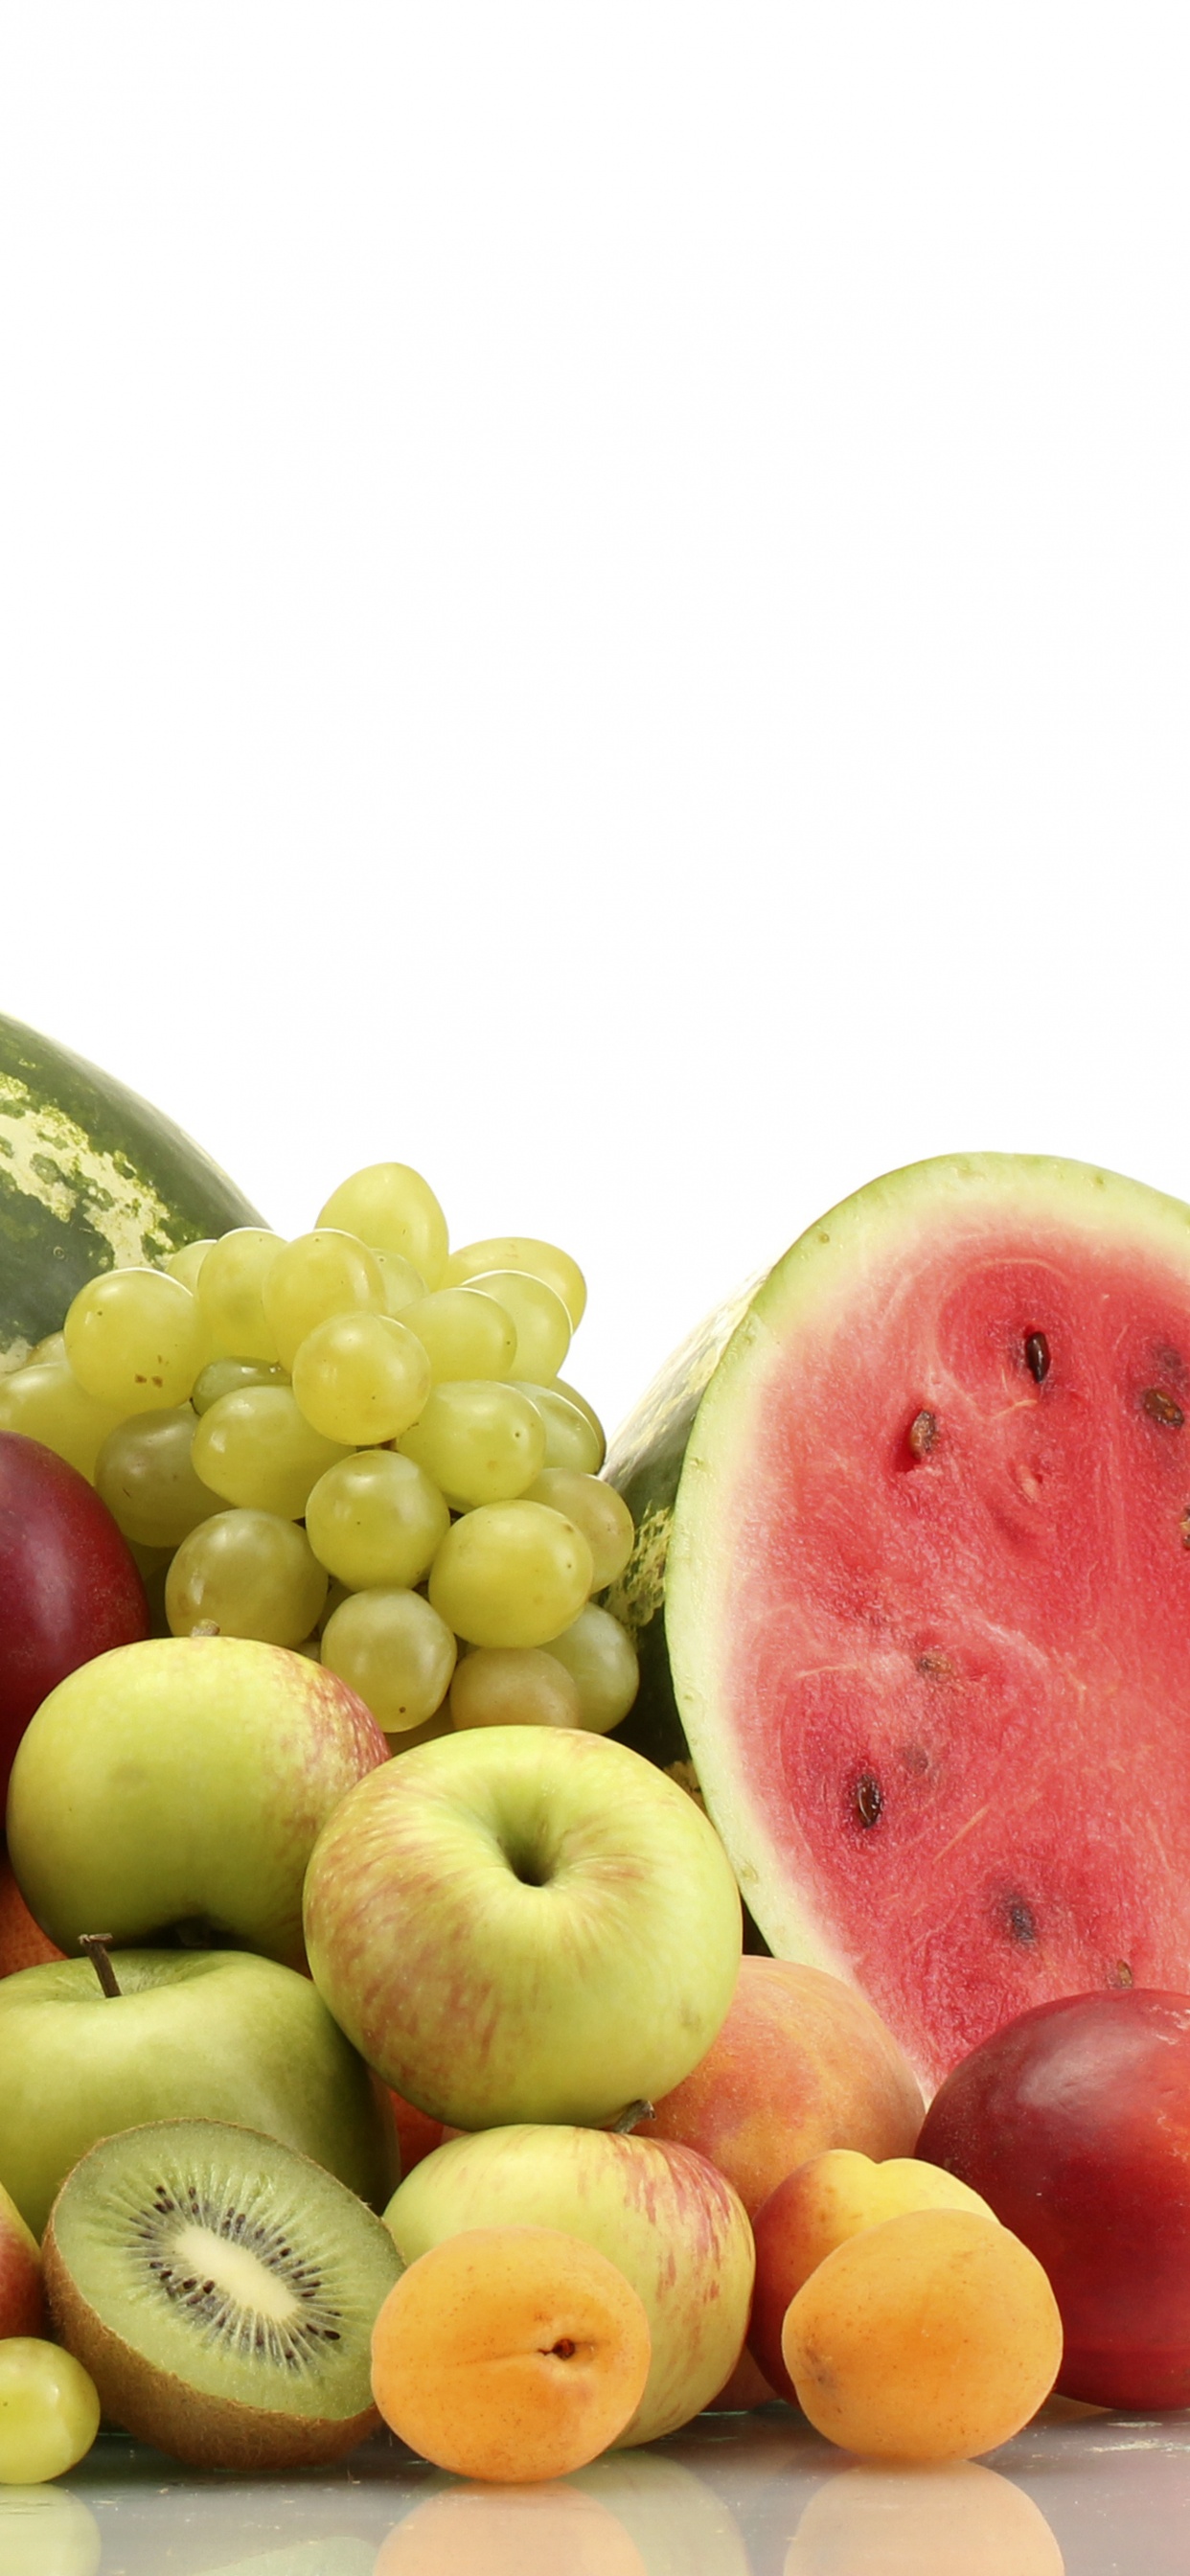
point(221, 2289)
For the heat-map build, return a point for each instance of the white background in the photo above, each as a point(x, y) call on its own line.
point(596, 598)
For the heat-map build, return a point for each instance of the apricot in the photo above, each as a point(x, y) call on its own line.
point(510, 2354)
point(932, 2336)
point(802, 2062)
point(818, 2205)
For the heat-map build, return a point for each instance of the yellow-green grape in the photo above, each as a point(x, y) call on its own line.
point(361, 1377)
point(570, 1394)
point(49, 2531)
point(230, 1292)
point(427, 1733)
point(252, 1573)
point(522, 1252)
point(145, 1475)
point(513, 1686)
point(600, 1657)
point(465, 1333)
point(227, 1376)
point(569, 1439)
point(543, 1326)
point(134, 1339)
point(318, 1275)
point(376, 1518)
point(391, 1205)
point(595, 1508)
point(257, 1449)
point(45, 1401)
point(511, 1574)
point(51, 1347)
point(397, 1652)
point(402, 1283)
point(49, 2410)
point(480, 1441)
point(187, 1261)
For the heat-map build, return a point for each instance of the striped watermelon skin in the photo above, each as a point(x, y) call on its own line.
point(90, 1176)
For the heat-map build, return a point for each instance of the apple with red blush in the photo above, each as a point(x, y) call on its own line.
point(69, 1585)
point(22, 2309)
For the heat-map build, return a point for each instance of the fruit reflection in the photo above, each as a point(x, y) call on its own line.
point(519, 2531)
point(953, 2520)
point(46, 2531)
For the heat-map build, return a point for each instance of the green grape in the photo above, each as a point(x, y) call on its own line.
point(230, 1292)
point(522, 1252)
point(376, 1518)
point(51, 1347)
point(569, 1439)
point(226, 1376)
point(389, 1204)
point(49, 2410)
point(318, 1275)
point(361, 1378)
point(402, 1283)
point(543, 1326)
point(134, 1339)
point(511, 1574)
point(145, 1476)
point(601, 1658)
point(570, 1394)
point(255, 1448)
point(598, 1510)
point(252, 1573)
point(465, 1333)
point(397, 1652)
point(513, 1686)
point(45, 1401)
point(480, 1441)
point(187, 1261)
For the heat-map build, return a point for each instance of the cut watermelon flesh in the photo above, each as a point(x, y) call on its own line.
point(928, 1598)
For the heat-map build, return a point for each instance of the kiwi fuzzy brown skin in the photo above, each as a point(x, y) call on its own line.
point(160, 2407)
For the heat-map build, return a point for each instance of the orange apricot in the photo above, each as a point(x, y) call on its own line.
point(536, 2531)
point(932, 2336)
point(510, 2354)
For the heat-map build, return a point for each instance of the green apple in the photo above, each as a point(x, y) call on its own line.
point(523, 1923)
point(180, 1784)
point(203, 2034)
point(674, 2227)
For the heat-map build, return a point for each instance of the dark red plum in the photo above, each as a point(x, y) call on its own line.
point(1074, 2123)
point(69, 1585)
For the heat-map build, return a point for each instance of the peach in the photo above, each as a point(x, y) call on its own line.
point(819, 2205)
point(23, 1944)
point(932, 2336)
point(22, 2309)
point(802, 2062)
point(510, 2353)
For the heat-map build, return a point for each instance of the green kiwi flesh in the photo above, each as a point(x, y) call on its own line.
point(221, 2289)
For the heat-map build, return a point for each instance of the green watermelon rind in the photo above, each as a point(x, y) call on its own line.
point(802, 1284)
point(91, 1176)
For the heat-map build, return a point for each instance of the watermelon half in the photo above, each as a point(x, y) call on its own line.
point(912, 1584)
point(90, 1176)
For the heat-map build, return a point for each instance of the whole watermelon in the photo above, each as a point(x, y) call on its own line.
point(90, 1175)
point(912, 1591)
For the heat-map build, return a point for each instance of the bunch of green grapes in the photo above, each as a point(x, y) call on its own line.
point(358, 1443)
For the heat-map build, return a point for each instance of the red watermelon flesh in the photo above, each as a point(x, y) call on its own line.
point(928, 1595)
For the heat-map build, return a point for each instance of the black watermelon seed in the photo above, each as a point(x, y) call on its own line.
point(1020, 1920)
point(1121, 1974)
point(1161, 1408)
point(938, 1667)
point(923, 1432)
point(869, 1799)
point(1037, 1356)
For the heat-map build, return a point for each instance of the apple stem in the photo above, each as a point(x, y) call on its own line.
point(97, 1946)
point(631, 2113)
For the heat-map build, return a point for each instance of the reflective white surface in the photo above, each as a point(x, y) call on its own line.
point(760, 2495)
